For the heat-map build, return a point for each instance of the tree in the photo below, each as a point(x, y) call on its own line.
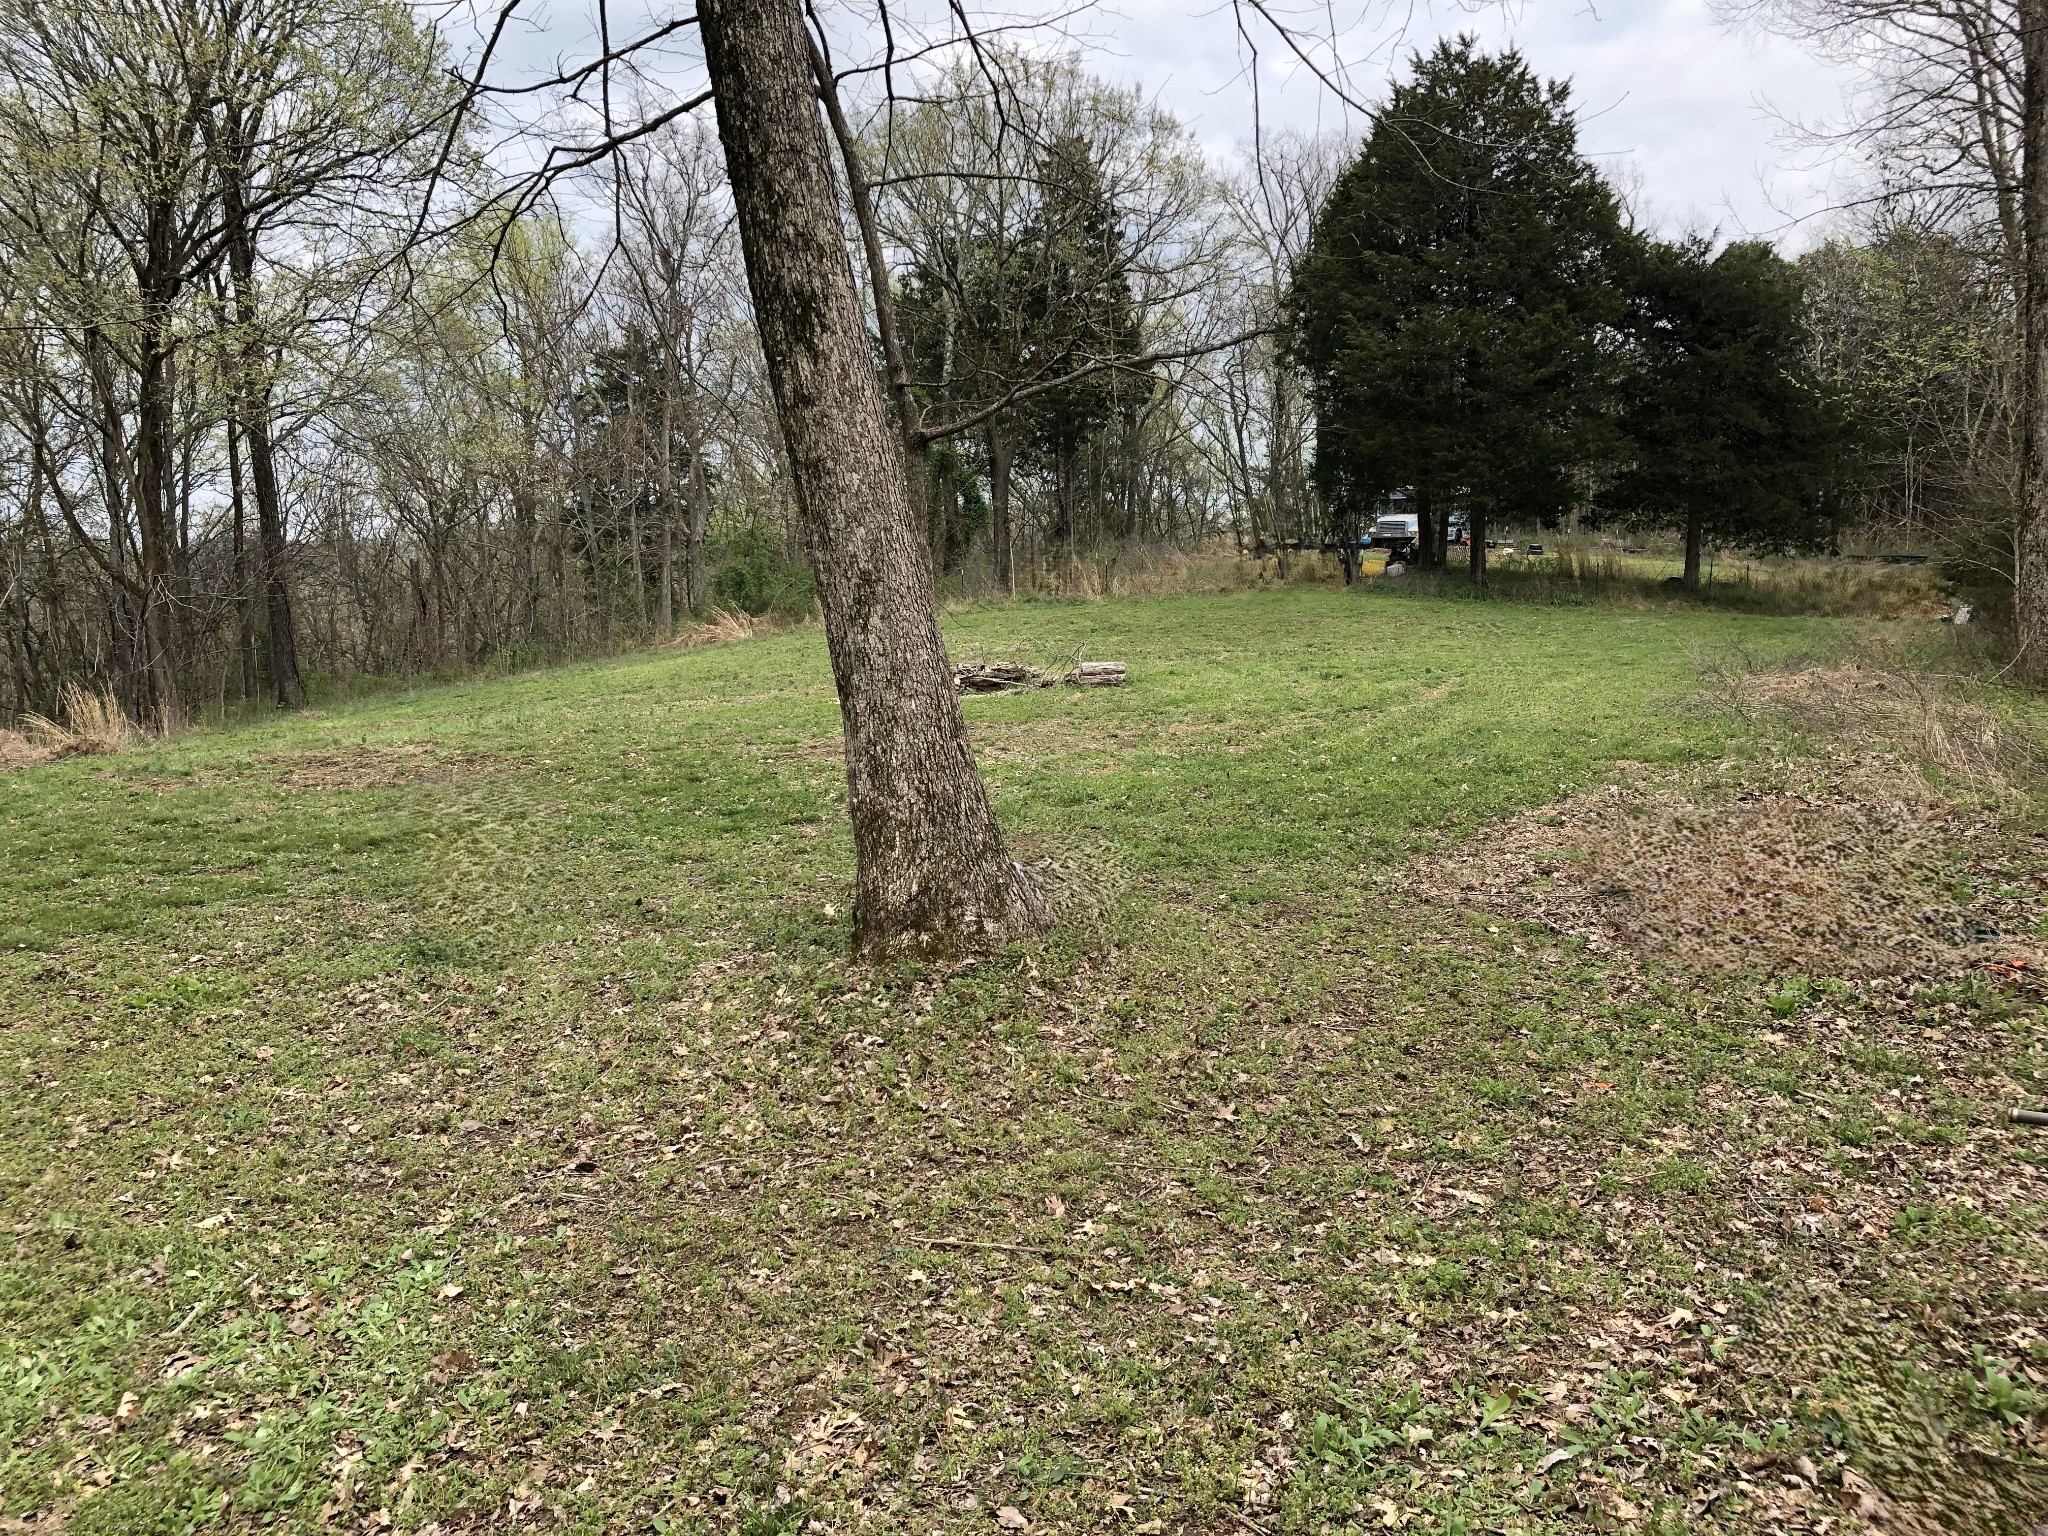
point(932, 873)
point(2031, 602)
point(1916, 332)
point(1728, 434)
point(1078, 306)
point(1454, 311)
point(677, 277)
point(1952, 116)
point(1048, 230)
point(153, 161)
point(319, 105)
point(1263, 427)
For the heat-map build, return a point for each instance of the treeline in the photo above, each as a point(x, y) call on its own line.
point(293, 389)
point(297, 384)
point(1485, 328)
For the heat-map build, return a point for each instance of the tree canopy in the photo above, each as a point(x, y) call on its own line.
point(1729, 435)
point(1454, 311)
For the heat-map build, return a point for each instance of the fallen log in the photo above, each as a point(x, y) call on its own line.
point(1010, 677)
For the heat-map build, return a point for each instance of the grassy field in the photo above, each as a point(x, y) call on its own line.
point(456, 1113)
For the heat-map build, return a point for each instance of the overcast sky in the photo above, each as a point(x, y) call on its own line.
point(1659, 83)
point(1677, 107)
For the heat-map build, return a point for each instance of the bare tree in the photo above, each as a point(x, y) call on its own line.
point(1952, 120)
point(677, 277)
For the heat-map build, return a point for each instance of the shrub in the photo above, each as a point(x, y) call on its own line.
point(757, 575)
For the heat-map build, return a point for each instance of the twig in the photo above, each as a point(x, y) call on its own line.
point(188, 1319)
point(969, 1242)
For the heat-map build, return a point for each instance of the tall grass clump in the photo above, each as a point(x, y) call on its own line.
point(1820, 587)
point(91, 724)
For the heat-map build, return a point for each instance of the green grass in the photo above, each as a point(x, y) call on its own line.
point(457, 1109)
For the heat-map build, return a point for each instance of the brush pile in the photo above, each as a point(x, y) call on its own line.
point(1013, 677)
point(999, 677)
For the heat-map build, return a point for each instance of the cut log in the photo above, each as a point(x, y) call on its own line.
point(1099, 674)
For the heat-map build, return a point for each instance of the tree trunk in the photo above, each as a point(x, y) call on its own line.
point(1002, 453)
point(695, 577)
point(154, 424)
point(253, 408)
point(932, 874)
point(2031, 599)
point(633, 451)
point(1430, 555)
point(1477, 527)
point(668, 505)
point(124, 637)
point(245, 607)
point(1692, 552)
point(283, 648)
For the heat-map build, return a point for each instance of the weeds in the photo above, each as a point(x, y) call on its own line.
point(723, 625)
point(90, 725)
point(1860, 705)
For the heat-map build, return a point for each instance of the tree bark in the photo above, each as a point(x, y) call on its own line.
point(932, 874)
point(1477, 528)
point(695, 577)
point(1430, 554)
point(2031, 598)
point(245, 607)
point(253, 408)
point(154, 432)
point(1002, 453)
point(1692, 552)
point(917, 444)
point(668, 504)
point(124, 630)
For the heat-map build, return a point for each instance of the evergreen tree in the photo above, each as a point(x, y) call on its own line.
point(1455, 310)
point(1729, 434)
point(1079, 310)
point(979, 315)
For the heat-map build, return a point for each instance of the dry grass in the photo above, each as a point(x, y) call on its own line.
point(1877, 708)
point(1850, 870)
point(93, 724)
point(19, 751)
point(1582, 573)
point(1145, 570)
point(1575, 572)
point(722, 625)
point(366, 767)
point(1885, 859)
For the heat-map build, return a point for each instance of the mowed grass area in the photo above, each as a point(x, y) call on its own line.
point(457, 1113)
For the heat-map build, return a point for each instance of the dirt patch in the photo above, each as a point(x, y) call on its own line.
point(374, 767)
point(1887, 858)
point(1856, 868)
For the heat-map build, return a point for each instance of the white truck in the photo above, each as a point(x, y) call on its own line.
point(1396, 530)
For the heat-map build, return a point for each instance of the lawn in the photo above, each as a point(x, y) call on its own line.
point(456, 1113)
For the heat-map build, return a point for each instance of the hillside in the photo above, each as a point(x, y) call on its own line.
point(1442, 1104)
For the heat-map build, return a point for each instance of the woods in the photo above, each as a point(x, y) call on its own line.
point(301, 386)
